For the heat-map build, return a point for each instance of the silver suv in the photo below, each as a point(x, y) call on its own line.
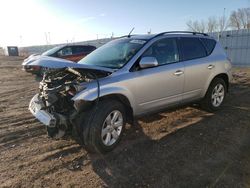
point(127, 77)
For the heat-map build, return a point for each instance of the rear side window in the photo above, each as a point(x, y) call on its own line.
point(83, 49)
point(191, 48)
point(77, 49)
point(88, 49)
point(209, 44)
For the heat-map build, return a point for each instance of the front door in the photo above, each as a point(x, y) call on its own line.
point(161, 86)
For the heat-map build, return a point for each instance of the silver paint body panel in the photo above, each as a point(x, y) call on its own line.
point(159, 87)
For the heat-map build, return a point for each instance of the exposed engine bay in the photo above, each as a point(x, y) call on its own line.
point(56, 91)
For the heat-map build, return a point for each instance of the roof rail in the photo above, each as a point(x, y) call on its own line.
point(171, 32)
point(184, 32)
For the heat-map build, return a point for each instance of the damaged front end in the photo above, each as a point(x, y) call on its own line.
point(53, 105)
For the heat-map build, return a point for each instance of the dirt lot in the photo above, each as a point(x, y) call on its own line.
point(185, 147)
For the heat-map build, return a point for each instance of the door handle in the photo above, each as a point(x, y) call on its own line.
point(210, 66)
point(178, 73)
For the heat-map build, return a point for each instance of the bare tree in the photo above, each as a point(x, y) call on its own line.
point(248, 18)
point(202, 26)
point(234, 20)
point(196, 26)
point(240, 19)
point(192, 25)
point(223, 23)
point(244, 15)
point(212, 24)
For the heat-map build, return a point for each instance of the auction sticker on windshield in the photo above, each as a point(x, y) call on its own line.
point(136, 41)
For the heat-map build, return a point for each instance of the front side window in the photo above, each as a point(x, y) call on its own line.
point(114, 54)
point(165, 51)
point(191, 48)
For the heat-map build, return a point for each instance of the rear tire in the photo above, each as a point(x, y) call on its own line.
point(101, 128)
point(215, 95)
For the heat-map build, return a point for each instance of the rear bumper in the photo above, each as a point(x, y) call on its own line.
point(43, 116)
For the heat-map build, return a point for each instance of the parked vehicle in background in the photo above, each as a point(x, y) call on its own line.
point(70, 52)
point(127, 77)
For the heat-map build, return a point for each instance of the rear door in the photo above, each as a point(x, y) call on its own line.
point(198, 67)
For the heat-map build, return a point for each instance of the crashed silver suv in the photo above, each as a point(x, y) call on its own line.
point(128, 77)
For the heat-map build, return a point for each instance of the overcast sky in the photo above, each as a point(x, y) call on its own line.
point(36, 22)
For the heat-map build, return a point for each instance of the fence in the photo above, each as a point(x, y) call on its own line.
point(237, 45)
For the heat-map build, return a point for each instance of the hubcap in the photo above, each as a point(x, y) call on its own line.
point(218, 95)
point(112, 128)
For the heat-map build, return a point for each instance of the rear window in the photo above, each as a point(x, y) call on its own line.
point(209, 44)
point(191, 48)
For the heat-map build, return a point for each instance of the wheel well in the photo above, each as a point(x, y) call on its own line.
point(124, 100)
point(224, 77)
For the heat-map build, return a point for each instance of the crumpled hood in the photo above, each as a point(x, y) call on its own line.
point(57, 63)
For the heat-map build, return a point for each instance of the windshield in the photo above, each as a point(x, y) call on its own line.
point(51, 51)
point(114, 54)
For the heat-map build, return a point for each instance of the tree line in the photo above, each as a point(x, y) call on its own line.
point(238, 19)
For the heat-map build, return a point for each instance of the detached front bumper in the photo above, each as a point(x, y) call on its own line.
point(43, 116)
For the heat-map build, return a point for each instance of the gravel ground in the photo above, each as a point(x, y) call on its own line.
point(184, 147)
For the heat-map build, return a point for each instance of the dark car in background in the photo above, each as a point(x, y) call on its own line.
point(70, 52)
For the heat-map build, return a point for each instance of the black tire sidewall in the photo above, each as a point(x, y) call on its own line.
point(208, 98)
point(95, 125)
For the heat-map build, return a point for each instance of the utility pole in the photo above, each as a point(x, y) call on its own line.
point(21, 40)
point(149, 32)
point(46, 38)
point(49, 38)
point(224, 19)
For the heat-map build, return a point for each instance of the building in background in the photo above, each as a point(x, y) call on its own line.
point(9, 51)
point(12, 51)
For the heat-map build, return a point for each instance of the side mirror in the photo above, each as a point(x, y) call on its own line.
point(147, 62)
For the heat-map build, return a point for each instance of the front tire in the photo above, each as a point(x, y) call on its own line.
point(102, 127)
point(215, 95)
